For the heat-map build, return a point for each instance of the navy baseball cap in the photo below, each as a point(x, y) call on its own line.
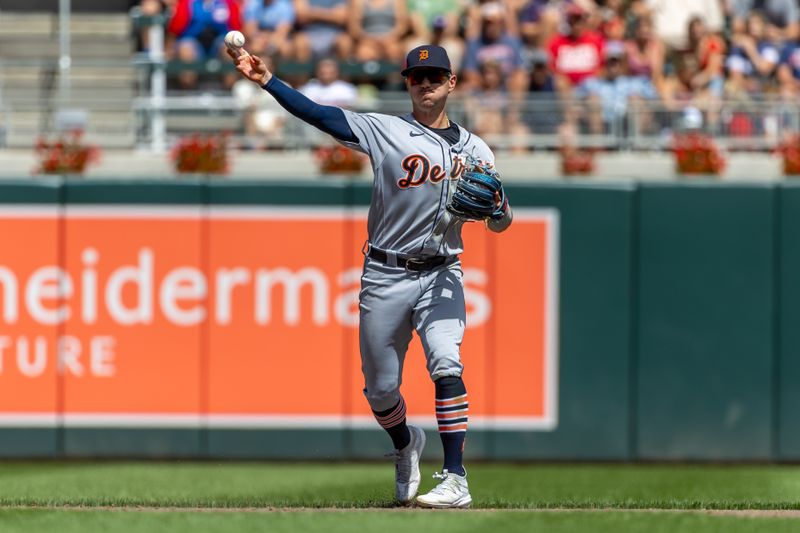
point(427, 55)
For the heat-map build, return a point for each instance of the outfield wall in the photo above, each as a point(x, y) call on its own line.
point(216, 319)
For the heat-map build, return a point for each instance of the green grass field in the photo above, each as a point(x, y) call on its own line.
point(235, 497)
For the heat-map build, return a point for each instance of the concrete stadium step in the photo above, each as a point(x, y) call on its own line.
point(106, 48)
point(32, 95)
point(115, 129)
point(115, 95)
point(109, 120)
point(27, 140)
point(102, 74)
point(99, 137)
point(46, 24)
point(85, 84)
point(101, 24)
point(18, 75)
point(32, 24)
point(80, 89)
point(116, 99)
point(104, 140)
point(102, 80)
point(189, 123)
point(26, 116)
point(77, 6)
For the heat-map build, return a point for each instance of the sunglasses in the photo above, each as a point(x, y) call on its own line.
point(434, 75)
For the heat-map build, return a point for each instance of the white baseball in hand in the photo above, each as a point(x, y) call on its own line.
point(234, 40)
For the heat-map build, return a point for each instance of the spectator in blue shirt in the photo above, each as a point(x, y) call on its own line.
point(267, 25)
point(753, 58)
point(782, 17)
point(497, 45)
point(541, 80)
point(611, 94)
point(543, 114)
point(789, 71)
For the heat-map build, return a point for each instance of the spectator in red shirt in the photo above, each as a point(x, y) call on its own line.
point(576, 55)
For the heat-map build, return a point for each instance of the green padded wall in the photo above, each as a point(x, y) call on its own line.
point(706, 326)
point(677, 312)
point(788, 368)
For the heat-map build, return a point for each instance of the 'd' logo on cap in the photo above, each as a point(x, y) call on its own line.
point(423, 55)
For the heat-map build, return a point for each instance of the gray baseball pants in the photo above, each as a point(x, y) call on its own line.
point(393, 302)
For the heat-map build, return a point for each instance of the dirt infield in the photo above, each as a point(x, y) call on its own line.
point(743, 513)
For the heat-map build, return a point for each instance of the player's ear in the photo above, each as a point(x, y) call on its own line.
point(452, 83)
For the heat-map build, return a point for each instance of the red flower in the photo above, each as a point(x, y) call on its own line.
point(65, 155)
point(789, 150)
point(207, 155)
point(336, 159)
point(575, 161)
point(697, 153)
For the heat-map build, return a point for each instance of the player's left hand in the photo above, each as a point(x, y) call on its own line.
point(501, 206)
point(478, 195)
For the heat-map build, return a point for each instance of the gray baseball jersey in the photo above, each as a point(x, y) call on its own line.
point(412, 165)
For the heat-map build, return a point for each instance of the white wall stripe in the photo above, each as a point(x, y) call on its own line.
point(27, 211)
point(180, 421)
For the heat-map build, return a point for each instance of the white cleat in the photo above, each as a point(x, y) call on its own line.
point(406, 466)
point(451, 493)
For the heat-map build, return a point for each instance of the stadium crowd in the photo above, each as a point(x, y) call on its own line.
point(606, 54)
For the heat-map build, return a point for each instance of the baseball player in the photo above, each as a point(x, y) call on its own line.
point(431, 175)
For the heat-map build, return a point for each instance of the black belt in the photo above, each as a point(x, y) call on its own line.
point(417, 264)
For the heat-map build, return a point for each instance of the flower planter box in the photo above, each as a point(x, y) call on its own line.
point(66, 155)
point(336, 159)
point(201, 155)
point(697, 154)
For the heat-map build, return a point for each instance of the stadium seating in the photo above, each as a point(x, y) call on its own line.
point(101, 78)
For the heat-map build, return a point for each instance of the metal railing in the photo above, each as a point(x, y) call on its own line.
point(533, 124)
point(154, 119)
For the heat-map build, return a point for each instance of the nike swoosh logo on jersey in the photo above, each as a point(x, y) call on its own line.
point(416, 133)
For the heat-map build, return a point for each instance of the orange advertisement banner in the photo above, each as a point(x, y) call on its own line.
point(141, 316)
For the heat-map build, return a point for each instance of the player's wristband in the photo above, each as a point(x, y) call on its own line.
point(500, 213)
point(501, 224)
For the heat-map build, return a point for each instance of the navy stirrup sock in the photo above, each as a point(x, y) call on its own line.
point(451, 414)
point(394, 422)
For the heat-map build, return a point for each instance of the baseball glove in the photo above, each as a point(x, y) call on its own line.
point(474, 196)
